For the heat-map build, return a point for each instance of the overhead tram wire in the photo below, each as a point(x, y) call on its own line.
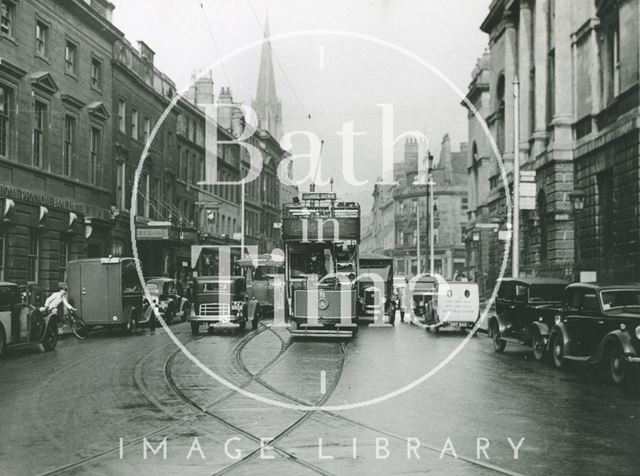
point(213, 40)
point(290, 84)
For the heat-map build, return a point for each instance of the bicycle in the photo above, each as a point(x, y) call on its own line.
point(78, 327)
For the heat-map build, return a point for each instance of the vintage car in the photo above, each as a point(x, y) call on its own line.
point(422, 300)
point(525, 310)
point(219, 300)
point(261, 275)
point(599, 324)
point(20, 324)
point(382, 266)
point(170, 304)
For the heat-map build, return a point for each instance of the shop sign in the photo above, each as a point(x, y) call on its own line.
point(152, 233)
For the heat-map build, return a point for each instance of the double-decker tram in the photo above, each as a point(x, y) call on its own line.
point(321, 238)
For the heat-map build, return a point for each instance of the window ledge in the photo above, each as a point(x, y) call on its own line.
point(42, 57)
point(9, 38)
point(97, 90)
point(73, 76)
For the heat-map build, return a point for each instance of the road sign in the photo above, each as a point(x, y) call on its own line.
point(527, 176)
point(527, 203)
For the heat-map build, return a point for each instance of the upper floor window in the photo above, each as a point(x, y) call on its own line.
point(465, 204)
point(613, 66)
point(69, 140)
point(7, 11)
point(96, 73)
point(94, 154)
point(146, 129)
point(122, 116)
point(5, 118)
point(71, 58)
point(134, 124)
point(39, 124)
point(42, 38)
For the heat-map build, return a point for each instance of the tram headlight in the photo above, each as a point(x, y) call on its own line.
point(638, 332)
point(323, 304)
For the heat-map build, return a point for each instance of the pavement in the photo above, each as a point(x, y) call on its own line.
point(106, 404)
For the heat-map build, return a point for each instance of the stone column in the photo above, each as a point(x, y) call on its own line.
point(540, 59)
point(510, 62)
point(563, 118)
point(524, 74)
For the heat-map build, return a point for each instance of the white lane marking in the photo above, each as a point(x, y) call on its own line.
point(322, 57)
point(323, 382)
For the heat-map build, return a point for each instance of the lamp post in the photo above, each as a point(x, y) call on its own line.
point(431, 185)
point(577, 205)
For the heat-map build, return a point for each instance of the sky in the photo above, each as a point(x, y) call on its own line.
point(326, 81)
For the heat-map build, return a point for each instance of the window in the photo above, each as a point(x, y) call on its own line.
point(68, 145)
point(465, 204)
point(613, 51)
point(42, 38)
point(134, 124)
point(3, 249)
point(551, 88)
point(94, 158)
point(5, 95)
point(7, 10)
point(71, 58)
point(500, 139)
point(96, 73)
point(120, 188)
point(33, 257)
point(155, 197)
point(143, 195)
point(147, 129)
point(122, 116)
point(63, 257)
point(39, 123)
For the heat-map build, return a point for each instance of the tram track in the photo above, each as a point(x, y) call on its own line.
point(135, 440)
point(489, 466)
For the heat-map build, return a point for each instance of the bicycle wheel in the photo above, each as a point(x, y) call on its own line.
point(78, 327)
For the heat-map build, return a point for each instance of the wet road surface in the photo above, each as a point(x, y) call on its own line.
point(85, 408)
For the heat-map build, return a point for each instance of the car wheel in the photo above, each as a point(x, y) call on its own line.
point(3, 342)
point(132, 326)
point(537, 343)
point(618, 367)
point(498, 343)
point(195, 328)
point(557, 350)
point(50, 339)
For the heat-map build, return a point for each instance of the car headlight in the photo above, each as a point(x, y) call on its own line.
point(638, 332)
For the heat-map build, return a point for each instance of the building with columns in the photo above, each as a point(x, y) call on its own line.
point(577, 66)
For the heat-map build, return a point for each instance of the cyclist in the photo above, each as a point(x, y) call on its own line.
point(57, 301)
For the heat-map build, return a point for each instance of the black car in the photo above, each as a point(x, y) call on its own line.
point(525, 313)
point(599, 324)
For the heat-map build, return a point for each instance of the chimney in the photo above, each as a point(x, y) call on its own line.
point(203, 89)
point(445, 159)
point(411, 149)
point(225, 113)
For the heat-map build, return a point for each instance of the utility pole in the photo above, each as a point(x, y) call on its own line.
point(515, 260)
point(430, 184)
point(242, 219)
point(418, 251)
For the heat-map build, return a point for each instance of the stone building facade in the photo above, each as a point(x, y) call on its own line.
point(55, 136)
point(577, 65)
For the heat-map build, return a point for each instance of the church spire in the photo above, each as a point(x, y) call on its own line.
point(266, 104)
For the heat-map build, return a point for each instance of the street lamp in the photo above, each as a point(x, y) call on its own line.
point(577, 205)
point(431, 185)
